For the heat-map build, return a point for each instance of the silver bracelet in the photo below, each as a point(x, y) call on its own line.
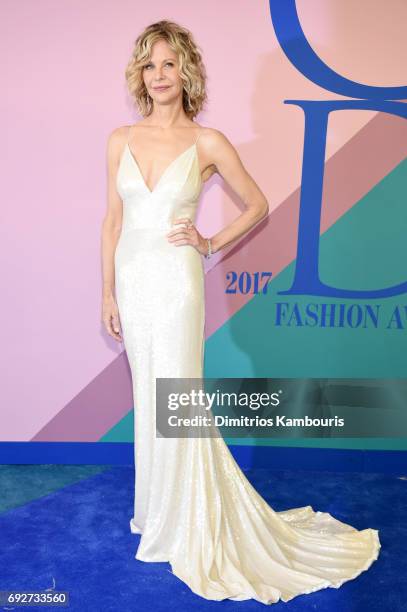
point(208, 240)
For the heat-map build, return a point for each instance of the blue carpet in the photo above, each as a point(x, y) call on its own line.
point(76, 536)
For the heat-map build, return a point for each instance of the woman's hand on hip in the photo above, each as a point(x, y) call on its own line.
point(188, 234)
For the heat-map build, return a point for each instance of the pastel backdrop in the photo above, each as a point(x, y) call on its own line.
point(64, 379)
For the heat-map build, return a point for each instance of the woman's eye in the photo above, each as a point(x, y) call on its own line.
point(151, 65)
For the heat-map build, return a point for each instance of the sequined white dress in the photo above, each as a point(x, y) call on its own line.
point(193, 505)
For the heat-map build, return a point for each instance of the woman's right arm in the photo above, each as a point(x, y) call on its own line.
point(111, 228)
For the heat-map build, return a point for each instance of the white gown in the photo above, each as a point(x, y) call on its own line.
point(193, 505)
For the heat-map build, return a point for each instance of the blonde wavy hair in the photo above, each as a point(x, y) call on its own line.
point(191, 67)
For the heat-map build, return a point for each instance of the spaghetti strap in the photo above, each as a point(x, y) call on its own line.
point(200, 132)
point(128, 134)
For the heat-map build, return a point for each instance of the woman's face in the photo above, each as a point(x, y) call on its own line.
point(162, 71)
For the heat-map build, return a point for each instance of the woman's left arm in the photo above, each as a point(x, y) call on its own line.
point(223, 157)
point(229, 165)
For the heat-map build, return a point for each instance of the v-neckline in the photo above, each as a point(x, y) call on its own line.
point(152, 191)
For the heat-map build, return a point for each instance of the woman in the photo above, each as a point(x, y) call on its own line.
point(193, 505)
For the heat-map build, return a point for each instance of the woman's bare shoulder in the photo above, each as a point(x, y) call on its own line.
point(117, 139)
point(118, 133)
point(213, 137)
